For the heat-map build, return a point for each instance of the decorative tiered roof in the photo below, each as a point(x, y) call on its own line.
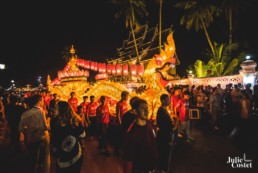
point(147, 40)
point(71, 71)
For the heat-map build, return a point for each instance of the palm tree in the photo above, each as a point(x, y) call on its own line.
point(199, 14)
point(198, 69)
point(223, 61)
point(230, 8)
point(131, 10)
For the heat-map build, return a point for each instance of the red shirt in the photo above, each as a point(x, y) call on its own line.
point(74, 103)
point(174, 100)
point(183, 107)
point(91, 109)
point(102, 113)
point(84, 106)
point(47, 99)
point(121, 108)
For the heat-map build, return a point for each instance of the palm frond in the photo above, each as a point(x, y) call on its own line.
point(200, 68)
point(231, 67)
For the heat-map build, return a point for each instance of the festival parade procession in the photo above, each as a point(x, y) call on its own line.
point(136, 111)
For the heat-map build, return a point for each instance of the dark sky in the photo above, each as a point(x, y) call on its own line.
point(33, 35)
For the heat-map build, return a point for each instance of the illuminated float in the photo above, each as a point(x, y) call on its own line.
point(153, 72)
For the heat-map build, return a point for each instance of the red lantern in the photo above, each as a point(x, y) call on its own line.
point(133, 69)
point(113, 69)
point(87, 64)
point(103, 68)
point(118, 69)
point(95, 66)
point(92, 65)
point(81, 63)
point(125, 69)
point(140, 69)
point(99, 67)
point(109, 69)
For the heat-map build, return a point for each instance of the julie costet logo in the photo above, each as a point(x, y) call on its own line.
point(238, 162)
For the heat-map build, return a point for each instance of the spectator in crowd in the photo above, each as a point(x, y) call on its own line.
point(13, 112)
point(84, 103)
point(67, 136)
point(174, 98)
point(73, 101)
point(91, 117)
point(249, 91)
point(102, 113)
point(236, 107)
point(52, 105)
point(201, 101)
point(255, 97)
point(121, 108)
point(227, 99)
point(2, 116)
point(140, 150)
point(215, 108)
point(82, 116)
point(246, 109)
point(130, 115)
point(183, 107)
point(164, 133)
point(220, 90)
point(35, 129)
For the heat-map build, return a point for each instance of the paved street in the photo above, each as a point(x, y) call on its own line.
point(208, 153)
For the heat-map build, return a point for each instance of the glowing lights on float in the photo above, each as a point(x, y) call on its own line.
point(125, 69)
point(107, 88)
point(113, 69)
point(70, 73)
point(102, 67)
point(140, 69)
point(101, 76)
point(158, 59)
point(118, 69)
point(110, 69)
point(133, 69)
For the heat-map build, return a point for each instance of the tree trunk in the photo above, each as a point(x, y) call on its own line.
point(135, 45)
point(230, 26)
point(208, 37)
point(160, 23)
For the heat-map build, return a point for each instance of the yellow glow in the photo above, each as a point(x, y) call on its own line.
point(152, 79)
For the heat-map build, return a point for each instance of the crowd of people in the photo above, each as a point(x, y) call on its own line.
point(62, 128)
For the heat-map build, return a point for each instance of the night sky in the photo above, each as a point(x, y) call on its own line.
point(33, 35)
